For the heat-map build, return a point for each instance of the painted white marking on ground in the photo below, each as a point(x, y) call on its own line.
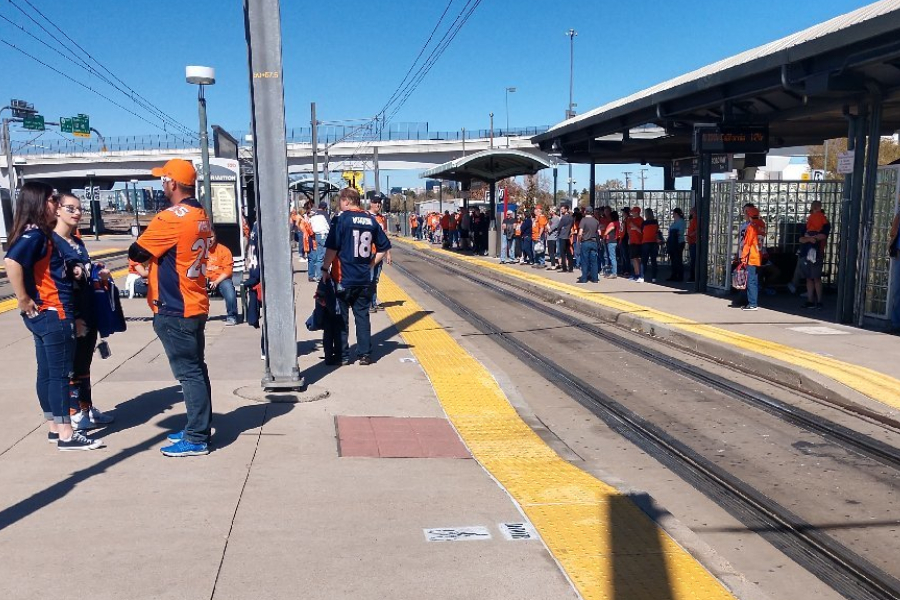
point(518, 531)
point(457, 534)
point(408, 359)
point(819, 330)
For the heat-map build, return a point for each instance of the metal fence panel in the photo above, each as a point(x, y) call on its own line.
point(660, 201)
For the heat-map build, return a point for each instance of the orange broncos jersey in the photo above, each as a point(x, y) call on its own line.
point(178, 238)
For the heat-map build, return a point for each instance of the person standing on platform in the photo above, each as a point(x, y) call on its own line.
point(37, 273)
point(219, 272)
point(177, 244)
point(539, 237)
point(375, 210)
point(553, 239)
point(611, 235)
point(507, 238)
point(84, 414)
point(353, 237)
point(649, 244)
point(320, 224)
point(588, 241)
point(566, 223)
point(635, 238)
point(751, 255)
point(445, 229)
point(812, 254)
point(527, 242)
point(675, 245)
point(894, 252)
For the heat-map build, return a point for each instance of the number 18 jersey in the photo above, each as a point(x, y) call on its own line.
point(178, 238)
point(356, 236)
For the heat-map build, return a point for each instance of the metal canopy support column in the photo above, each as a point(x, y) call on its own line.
point(315, 152)
point(668, 177)
point(868, 206)
point(850, 244)
point(844, 310)
point(555, 183)
point(263, 29)
point(492, 222)
point(592, 194)
point(703, 202)
point(377, 172)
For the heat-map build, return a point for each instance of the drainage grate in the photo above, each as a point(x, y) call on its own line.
point(518, 531)
point(457, 534)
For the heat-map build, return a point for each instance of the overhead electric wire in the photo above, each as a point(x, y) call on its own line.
point(85, 86)
point(131, 93)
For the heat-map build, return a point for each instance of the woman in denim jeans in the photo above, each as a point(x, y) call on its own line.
point(38, 274)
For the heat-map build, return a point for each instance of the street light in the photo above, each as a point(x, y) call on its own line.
point(95, 205)
point(570, 112)
point(509, 90)
point(137, 221)
point(203, 76)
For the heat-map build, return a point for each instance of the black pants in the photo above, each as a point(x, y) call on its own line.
point(551, 250)
point(331, 337)
point(80, 385)
point(565, 254)
point(358, 299)
point(676, 256)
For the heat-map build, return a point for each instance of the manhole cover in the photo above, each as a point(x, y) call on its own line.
point(518, 531)
point(457, 534)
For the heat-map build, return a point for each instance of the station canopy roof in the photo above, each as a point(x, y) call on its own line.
point(491, 165)
point(798, 85)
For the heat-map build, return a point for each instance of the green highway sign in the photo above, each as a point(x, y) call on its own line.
point(33, 122)
point(80, 125)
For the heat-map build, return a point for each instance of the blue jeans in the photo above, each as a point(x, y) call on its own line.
point(506, 249)
point(528, 249)
point(54, 346)
point(228, 293)
point(612, 261)
point(316, 257)
point(895, 299)
point(376, 276)
point(752, 286)
point(589, 261)
point(601, 257)
point(184, 341)
point(358, 299)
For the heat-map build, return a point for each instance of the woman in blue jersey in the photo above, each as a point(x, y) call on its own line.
point(37, 272)
point(78, 265)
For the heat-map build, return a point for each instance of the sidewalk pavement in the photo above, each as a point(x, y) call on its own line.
point(273, 512)
point(802, 351)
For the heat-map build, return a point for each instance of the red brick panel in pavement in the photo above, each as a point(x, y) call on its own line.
point(398, 437)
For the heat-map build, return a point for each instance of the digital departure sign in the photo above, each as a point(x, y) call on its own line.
point(729, 139)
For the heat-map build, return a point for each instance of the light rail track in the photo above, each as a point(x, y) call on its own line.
point(845, 571)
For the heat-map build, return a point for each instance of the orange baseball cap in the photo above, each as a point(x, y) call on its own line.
point(636, 209)
point(752, 212)
point(178, 170)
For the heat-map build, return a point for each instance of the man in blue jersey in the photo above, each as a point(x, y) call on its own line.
point(356, 243)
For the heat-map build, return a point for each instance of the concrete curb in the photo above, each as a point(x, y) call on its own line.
point(780, 373)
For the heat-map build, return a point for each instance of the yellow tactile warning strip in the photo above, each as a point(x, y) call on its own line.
point(607, 546)
point(11, 304)
point(875, 385)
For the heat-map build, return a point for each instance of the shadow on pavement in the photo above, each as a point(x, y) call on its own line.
point(638, 561)
point(137, 411)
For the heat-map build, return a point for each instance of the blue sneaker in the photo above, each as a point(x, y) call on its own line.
point(185, 448)
point(176, 437)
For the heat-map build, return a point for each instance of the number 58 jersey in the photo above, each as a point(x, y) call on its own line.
point(178, 238)
point(356, 236)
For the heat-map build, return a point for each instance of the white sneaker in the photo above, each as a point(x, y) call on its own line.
point(792, 288)
point(640, 280)
point(98, 417)
point(81, 421)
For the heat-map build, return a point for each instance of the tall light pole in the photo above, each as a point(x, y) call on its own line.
point(570, 112)
point(509, 90)
point(203, 76)
point(492, 131)
point(95, 205)
point(137, 221)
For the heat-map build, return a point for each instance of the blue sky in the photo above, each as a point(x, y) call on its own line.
point(349, 57)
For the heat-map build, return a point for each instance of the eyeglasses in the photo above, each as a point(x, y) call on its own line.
point(165, 180)
point(71, 208)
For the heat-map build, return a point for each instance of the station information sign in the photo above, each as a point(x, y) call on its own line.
point(688, 167)
point(721, 139)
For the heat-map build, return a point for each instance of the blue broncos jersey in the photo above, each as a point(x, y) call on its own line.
point(356, 236)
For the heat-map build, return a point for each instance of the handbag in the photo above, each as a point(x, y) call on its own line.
point(739, 277)
point(539, 247)
point(108, 310)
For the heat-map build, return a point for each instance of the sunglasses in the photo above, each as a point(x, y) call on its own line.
point(165, 180)
point(71, 208)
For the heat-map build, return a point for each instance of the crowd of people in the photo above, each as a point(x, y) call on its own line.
point(462, 229)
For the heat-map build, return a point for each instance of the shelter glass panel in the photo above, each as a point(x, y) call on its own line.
point(878, 275)
point(660, 201)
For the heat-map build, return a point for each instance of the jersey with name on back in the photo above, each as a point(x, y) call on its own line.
point(179, 239)
point(356, 236)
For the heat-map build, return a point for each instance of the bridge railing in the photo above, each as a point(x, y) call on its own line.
point(327, 134)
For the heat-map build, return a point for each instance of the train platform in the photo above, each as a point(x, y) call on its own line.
point(425, 475)
point(780, 342)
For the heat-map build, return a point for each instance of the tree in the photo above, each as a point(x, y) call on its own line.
point(888, 152)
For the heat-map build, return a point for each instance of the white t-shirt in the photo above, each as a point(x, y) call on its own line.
point(319, 224)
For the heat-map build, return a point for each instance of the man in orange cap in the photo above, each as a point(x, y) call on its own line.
point(751, 244)
point(176, 244)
